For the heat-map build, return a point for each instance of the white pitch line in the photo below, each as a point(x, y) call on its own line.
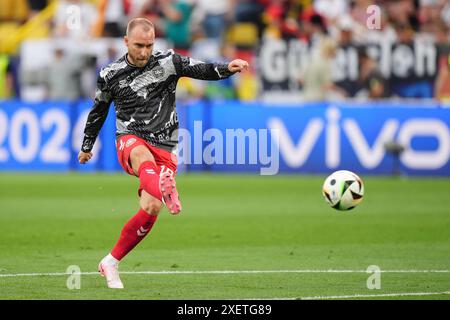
point(381, 295)
point(56, 274)
point(408, 294)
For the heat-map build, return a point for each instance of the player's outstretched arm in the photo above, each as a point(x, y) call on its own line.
point(188, 67)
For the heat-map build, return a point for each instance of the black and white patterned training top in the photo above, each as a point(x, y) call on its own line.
point(144, 97)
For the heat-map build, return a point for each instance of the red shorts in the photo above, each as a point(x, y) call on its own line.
point(164, 159)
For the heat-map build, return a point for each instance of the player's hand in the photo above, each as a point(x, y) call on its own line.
point(84, 157)
point(238, 65)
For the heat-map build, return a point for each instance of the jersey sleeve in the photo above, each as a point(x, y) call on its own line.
point(189, 67)
point(97, 115)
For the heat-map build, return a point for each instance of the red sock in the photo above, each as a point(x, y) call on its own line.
point(149, 176)
point(132, 233)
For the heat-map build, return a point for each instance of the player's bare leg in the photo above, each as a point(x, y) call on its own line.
point(150, 204)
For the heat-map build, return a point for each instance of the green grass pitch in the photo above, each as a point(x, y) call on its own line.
point(276, 228)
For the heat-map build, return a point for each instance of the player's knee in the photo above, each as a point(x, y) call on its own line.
point(138, 156)
point(141, 154)
point(153, 206)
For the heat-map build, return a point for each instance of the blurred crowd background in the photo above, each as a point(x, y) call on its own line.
point(302, 50)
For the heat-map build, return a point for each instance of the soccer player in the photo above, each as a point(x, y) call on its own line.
point(142, 86)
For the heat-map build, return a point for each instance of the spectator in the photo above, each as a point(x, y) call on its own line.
point(62, 77)
point(332, 10)
point(249, 11)
point(442, 83)
point(316, 80)
point(314, 29)
point(135, 8)
point(273, 19)
point(290, 28)
point(403, 12)
point(110, 19)
point(150, 9)
point(6, 77)
point(74, 19)
point(445, 12)
point(372, 83)
point(409, 86)
point(405, 33)
point(358, 10)
point(212, 17)
point(346, 27)
point(112, 56)
point(176, 22)
point(115, 23)
point(343, 75)
point(88, 76)
point(429, 12)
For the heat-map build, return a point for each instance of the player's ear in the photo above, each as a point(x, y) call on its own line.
point(125, 39)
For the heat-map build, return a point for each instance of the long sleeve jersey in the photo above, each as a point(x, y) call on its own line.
point(144, 97)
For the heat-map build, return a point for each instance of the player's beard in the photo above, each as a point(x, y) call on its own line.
point(139, 61)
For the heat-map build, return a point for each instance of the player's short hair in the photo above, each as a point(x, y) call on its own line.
point(146, 24)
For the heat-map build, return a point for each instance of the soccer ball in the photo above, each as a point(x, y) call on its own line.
point(343, 190)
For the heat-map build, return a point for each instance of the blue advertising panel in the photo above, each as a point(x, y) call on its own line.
point(318, 139)
point(237, 137)
point(35, 136)
point(47, 136)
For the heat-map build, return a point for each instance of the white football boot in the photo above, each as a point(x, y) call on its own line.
point(111, 272)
